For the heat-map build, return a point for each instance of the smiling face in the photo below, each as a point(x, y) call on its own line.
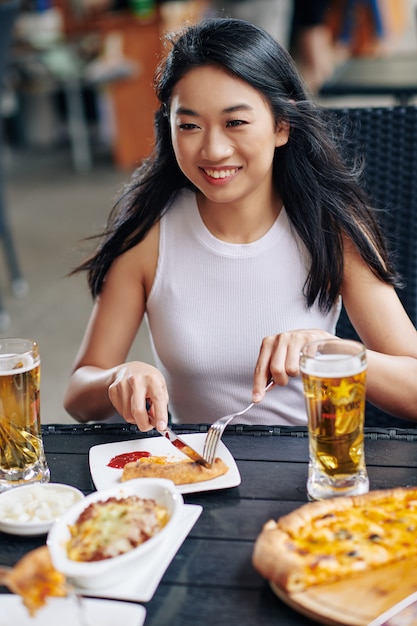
point(224, 136)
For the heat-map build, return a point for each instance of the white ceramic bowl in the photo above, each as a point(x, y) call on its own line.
point(98, 574)
point(33, 509)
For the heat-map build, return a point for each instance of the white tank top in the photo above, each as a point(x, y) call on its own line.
point(210, 306)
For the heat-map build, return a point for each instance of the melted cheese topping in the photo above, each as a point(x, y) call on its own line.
point(106, 529)
point(159, 460)
point(357, 538)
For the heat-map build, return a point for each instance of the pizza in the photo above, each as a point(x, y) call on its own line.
point(108, 528)
point(180, 472)
point(35, 579)
point(329, 540)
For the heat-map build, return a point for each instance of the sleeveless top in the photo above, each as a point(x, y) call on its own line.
point(212, 303)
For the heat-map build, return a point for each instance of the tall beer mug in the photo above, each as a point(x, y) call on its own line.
point(22, 457)
point(334, 379)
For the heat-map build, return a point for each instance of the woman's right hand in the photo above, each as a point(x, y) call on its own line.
point(139, 394)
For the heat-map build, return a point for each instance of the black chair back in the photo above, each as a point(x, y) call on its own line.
point(386, 138)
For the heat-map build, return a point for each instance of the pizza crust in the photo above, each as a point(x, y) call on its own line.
point(297, 519)
point(276, 561)
point(180, 472)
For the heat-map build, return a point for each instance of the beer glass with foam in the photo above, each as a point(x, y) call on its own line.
point(334, 379)
point(22, 457)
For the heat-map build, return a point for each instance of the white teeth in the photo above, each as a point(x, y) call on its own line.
point(221, 173)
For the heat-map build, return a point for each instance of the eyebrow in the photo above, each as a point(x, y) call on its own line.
point(228, 110)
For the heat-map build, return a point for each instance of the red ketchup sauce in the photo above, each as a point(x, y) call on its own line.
point(120, 460)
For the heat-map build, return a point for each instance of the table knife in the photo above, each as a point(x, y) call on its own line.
point(404, 613)
point(184, 447)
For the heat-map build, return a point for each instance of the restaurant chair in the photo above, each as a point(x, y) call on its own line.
point(386, 139)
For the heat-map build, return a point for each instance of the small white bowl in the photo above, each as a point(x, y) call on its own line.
point(33, 509)
point(95, 574)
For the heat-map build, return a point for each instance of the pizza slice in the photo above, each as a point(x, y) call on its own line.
point(180, 472)
point(328, 540)
point(35, 579)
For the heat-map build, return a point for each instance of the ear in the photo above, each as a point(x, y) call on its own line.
point(282, 133)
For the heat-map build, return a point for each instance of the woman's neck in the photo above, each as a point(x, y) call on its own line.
point(240, 222)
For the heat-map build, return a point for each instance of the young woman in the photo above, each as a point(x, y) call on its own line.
point(237, 239)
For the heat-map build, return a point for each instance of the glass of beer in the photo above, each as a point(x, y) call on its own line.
point(22, 457)
point(334, 379)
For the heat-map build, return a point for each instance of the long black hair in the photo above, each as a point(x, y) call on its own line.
point(321, 195)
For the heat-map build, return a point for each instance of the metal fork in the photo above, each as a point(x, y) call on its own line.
point(216, 430)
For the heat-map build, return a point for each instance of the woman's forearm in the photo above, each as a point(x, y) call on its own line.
point(87, 397)
point(392, 384)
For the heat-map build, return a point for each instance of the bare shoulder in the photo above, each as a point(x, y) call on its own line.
point(118, 310)
point(352, 259)
point(373, 306)
point(138, 264)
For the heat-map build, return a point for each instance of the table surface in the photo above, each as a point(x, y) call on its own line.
point(394, 75)
point(211, 579)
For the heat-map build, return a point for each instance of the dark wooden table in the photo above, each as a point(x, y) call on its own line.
point(392, 75)
point(211, 579)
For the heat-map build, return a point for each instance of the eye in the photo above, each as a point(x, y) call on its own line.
point(187, 126)
point(234, 123)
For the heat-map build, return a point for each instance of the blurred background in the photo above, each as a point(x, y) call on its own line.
point(76, 112)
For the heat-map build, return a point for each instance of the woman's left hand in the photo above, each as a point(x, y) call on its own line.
point(279, 358)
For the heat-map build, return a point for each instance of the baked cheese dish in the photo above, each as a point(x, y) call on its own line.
point(108, 528)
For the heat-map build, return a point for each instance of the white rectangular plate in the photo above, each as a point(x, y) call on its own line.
point(105, 477)
point(63, 611)
point(142, 586)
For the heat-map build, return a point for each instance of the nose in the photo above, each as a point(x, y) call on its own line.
point(216, 145)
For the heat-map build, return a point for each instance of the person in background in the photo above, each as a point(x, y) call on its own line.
point(237, 239)
point(369, 27)
point(312, 43)
point(361, 25)
point(274, 16)
point(325, 33)
point(9, 12)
